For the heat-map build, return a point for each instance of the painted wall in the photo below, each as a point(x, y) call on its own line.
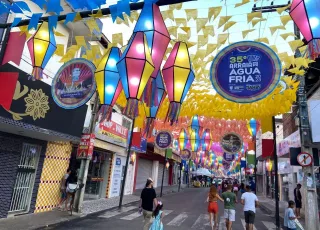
point(55, 165)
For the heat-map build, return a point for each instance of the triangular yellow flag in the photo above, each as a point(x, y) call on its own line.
point(97, 15)
point(285, 19)
point(183, 37)
point(228, 25)
point(180, 21)
point(214, 12)
point(173, 31)
point(295, 44)
point(274, 48)
point(223, 20)
point(280, 10)
point(208, 30)
point(286, 35)
point(201, 22)
point(251, 16)
point(60, 50)
point(303, 49)
point(168, 14)
point(222, 38)
point(77, 17)
point(202, 40)
point(191, 14)
point(92, 24)
point(185, 29)
point(300, 61)
point(134, 16)
point(81, 41)
point(245, 32)
point(242, 3)
point(255, 21)
point(191, 44)
point(117, 38)
point(211, 48)
point(265, 40)
point(275, 28)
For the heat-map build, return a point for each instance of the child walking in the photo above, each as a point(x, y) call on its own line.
point(158, 215)
point(289, 217)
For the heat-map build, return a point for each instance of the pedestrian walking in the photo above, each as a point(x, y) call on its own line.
point(213, 208)
point(230, 201)
point(71, 188)
point(63, 189)
point(289, 217)
point(148, 198)
point(235, 188)
point(157, 215)
point(242, 188)
point(250, 202)
point(298, 200)
point(252, 184)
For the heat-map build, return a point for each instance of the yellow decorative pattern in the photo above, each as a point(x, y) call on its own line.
point(109, 177)
point(55, 166)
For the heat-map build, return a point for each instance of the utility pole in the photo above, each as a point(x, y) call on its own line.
point(164, 166)
point(275, 160)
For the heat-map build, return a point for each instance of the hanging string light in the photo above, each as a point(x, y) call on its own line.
point(152, 24)
point(108, 82)
point(178, 77)
point(135, 68)
point(42, 46)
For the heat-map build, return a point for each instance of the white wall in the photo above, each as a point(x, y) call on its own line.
point(314, 112)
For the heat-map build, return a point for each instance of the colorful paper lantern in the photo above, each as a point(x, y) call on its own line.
point(305, 14)
point(178, 77)
point(194, 141)
point(195, 123)
point(151, 112)
point(108, 82)
point(183, 138)
point(206, 140)
point(252, 127)
point(42, 46)
point(152, 24)
point(135, 68)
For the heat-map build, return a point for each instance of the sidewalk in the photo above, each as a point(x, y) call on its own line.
point(45, 219)
point(269, 206)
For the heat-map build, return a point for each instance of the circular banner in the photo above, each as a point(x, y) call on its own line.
point(231, 143)
point(228, 156)
point(245, 71)
point(163, 140)
point(185, 154)
point(74, 83)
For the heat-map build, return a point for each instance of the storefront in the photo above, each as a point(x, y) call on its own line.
point(144, 172)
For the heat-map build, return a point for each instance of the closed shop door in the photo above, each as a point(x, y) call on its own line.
point(144, 172)
point(166, 176)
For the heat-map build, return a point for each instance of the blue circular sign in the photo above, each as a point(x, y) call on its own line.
point(185, 154)
point(163, 140)
point(245, 72)
point(228, 156)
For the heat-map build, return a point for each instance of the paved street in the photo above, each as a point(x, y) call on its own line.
point(186, 210)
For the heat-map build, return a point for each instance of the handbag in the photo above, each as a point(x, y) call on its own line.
point(298, 225)
point(72, 188)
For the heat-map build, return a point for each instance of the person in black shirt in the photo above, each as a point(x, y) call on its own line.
point(297, 200)
point(148, 198)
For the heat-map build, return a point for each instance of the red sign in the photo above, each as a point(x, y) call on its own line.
point(114, 128)
point(85, 149)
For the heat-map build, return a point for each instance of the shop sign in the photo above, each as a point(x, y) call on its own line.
point(85, 149)
point(74, 83)
point(163, 140)
point(142, 148)
point(116, 177)
point(31, 103)
point(231, 143)
point(185, 154)
point(112, 132)
point(245, 71)
point(292, 141)
point(228, 156)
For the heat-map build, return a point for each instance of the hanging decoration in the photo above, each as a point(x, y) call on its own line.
point(245, 72)
point(178, 77)
point(108, 82)
point(151, 112)
point(252, 127)
point(135, 68)
point(183, 138)
point(231, 143)
point(151, 23)
point(194, 142)
point(195, 123)
point(42, 46)
point(206, 141)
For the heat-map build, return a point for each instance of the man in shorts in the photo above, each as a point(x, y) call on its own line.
point(230, 200)
point(250, 202)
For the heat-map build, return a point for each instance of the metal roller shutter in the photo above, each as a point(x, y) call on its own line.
point(144, 172)
point(166, 176)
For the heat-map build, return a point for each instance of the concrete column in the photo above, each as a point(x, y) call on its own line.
point(154, 176)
